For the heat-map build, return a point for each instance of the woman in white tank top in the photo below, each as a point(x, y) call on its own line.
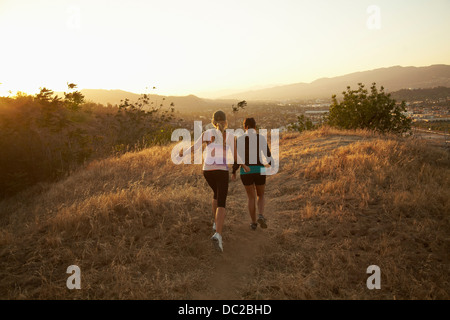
point(215, 169)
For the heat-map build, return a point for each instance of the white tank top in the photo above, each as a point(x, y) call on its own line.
point(217, 156)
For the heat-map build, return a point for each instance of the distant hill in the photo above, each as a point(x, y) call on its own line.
point(422, 94)
point(181, 103)
point(115, 96)
point(393, 79)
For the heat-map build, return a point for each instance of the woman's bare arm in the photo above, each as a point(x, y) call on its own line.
point(236, 157)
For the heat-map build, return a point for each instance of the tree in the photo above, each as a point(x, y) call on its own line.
point(235, 109)
point(301, 125)
point(375, 111)
point(73, 100)
point(140, 125)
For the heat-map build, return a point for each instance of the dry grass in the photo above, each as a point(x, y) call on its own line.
point(138, 227)
point(356, 200)
point(132, 231)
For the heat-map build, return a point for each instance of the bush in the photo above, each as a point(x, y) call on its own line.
point(375, 111)
point(301, 125)
point(45, 137)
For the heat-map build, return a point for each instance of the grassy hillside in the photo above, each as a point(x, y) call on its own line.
point(139, 227)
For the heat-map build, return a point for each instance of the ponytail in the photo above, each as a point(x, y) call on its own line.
point(221, 126)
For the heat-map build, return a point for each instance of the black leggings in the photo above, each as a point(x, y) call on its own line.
point(218, 181)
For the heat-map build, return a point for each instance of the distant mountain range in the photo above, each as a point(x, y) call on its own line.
point(181, 103)
point(392, 79)
point(115, 96)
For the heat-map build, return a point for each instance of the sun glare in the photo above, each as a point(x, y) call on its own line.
point(197, 46)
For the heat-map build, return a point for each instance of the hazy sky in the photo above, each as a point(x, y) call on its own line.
point(199, 46)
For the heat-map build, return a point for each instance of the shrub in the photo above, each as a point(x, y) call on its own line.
point(375, 111)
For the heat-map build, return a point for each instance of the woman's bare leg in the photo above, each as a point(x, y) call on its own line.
point(261, 198)
point(220, 219)
point(251, 196)
point(214, 209)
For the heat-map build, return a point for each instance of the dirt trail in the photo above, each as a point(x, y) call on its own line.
point(232, 269)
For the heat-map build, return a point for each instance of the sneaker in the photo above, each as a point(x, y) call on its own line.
point(217, 241)
point(253, 226)
point(262, 221)
point(214, 226)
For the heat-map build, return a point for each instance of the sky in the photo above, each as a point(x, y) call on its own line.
point(211, 47)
